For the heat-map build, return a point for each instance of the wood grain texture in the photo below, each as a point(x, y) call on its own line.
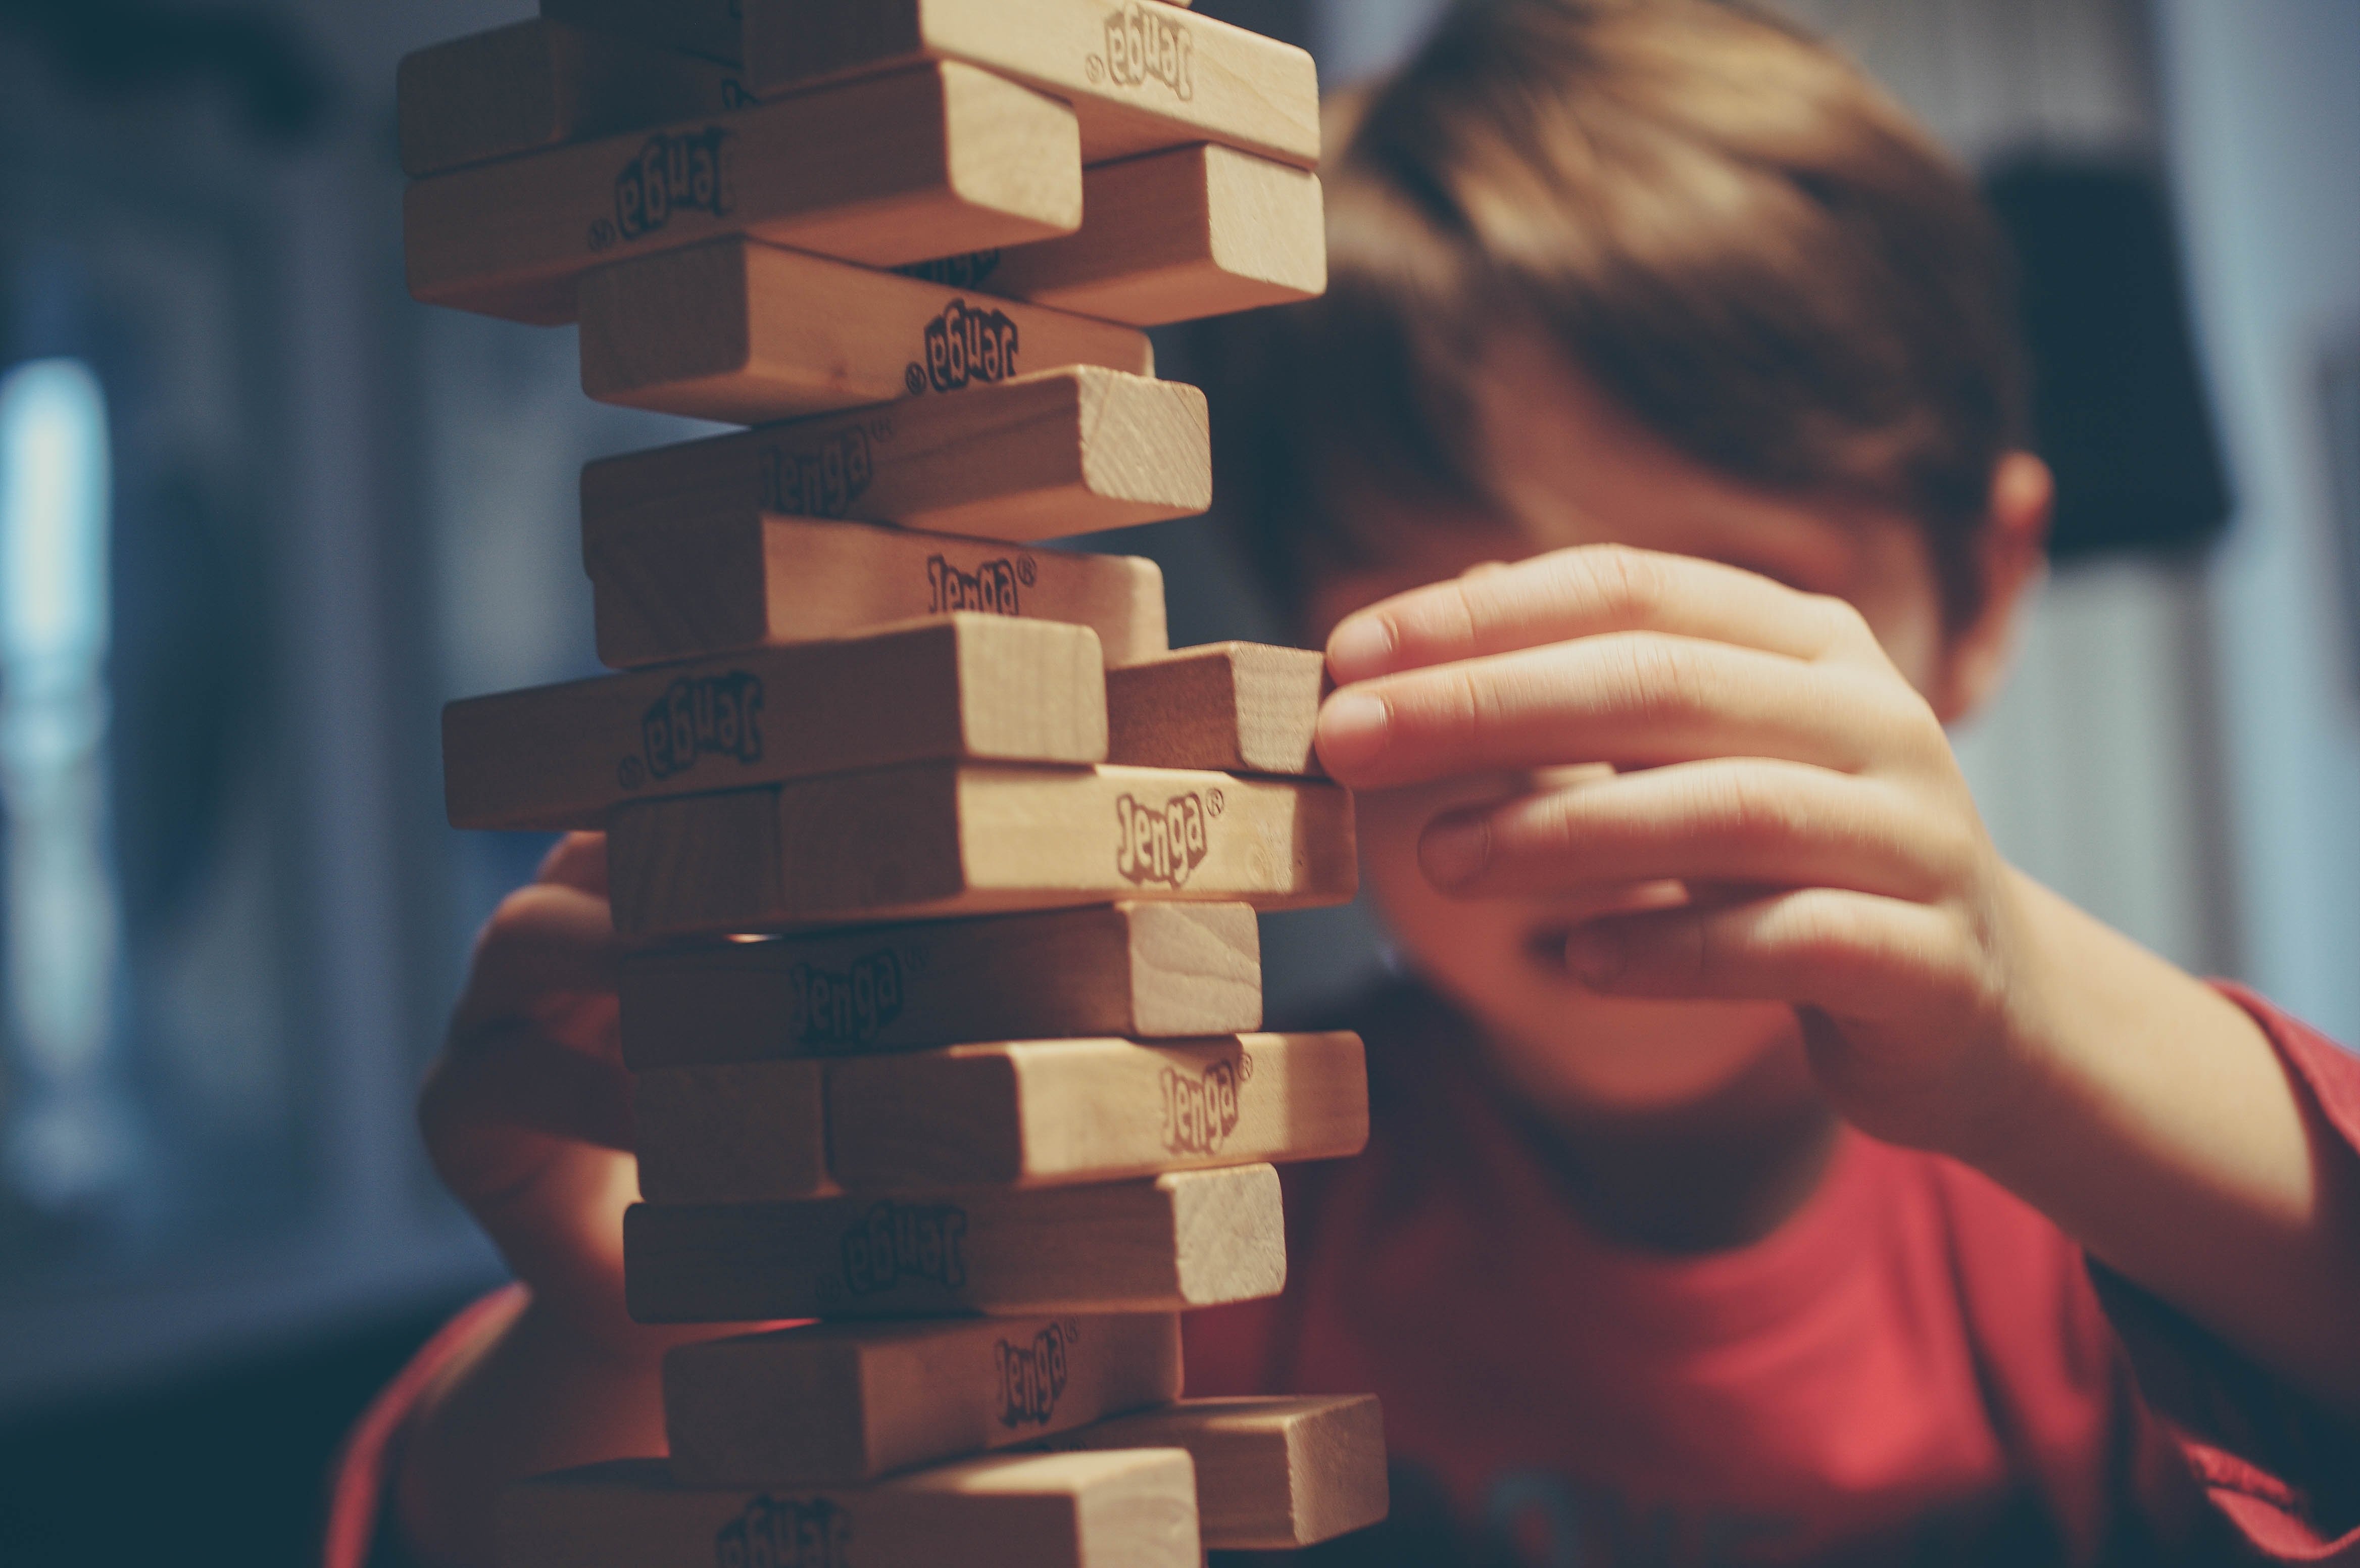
point(1139, 79)
point(1171, 236)
point(747, 334)
point(981, 687)
point(941, 839)
point(1050, 1112)
point(1175, 1243)
point(713, 29)
point(1138, 971)
point(836, 1402)
point(710, 1134)
point(1042, 456)
point(1135, 1510)
point(1241, 708)
point(1271, 1475)
point(541, 84)
point(884, 172)
point(709, 587)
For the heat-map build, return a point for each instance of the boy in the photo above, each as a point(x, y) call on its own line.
point(1762, 1170)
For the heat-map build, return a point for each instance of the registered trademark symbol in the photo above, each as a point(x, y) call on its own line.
point(1216, 803)
point(1074, 1330)
point(914, 377)
point(881, 427)
point(1026, 571)
point(915, 960)
point(630, 773)
point(1245, 1067)
point(602, 234)
point(1094, 68)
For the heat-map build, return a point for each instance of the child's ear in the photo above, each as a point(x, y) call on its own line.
point(2013, 556)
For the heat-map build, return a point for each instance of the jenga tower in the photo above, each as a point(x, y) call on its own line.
point(985, 1098)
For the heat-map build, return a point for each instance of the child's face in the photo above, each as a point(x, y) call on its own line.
point(1569, 469)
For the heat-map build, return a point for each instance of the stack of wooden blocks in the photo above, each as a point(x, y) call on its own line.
point(947, 866)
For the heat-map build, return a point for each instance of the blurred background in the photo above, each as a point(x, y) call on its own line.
point(260, 516)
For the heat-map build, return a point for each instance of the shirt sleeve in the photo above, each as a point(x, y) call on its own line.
point(2280, 1468)
point(360, 1533)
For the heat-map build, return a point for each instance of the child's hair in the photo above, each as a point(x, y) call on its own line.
point(1732, 233)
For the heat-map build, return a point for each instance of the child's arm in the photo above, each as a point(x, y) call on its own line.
point(1947, 1002)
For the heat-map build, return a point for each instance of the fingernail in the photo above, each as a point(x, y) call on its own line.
point(1455, 851)
point(1595, 956)
point(1361, 647)
point(1353, 728)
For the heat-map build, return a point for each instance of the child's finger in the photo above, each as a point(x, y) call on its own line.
point(577, 860)
point(520, 1080)
point(1749, 821)
point(1583, 592)
point(545, 939)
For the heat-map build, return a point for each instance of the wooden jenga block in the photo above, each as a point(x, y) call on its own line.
point(713, 29)
point(541, 84)
point(1139, 971)
point(709, 1134)
point(885, 172)
point(1236, 707)
point(941, 839)
point(1045, 1113)
point(1187, 1240)
point(833, 1403)
point(983, 686)
point(1170, 236)
point(1271, 1475)
point(1134, 1509)
point(710, 587)
point(1141, 76)
point(1039, 456)
point(746, 334)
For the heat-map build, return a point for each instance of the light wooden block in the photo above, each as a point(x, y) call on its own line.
point(1139, 971)
point(1272, 1473)
point(941, 839)
point(1042, 456)
point(541, 84)
point(834, 1402)
point(713, 586)
point(711, 1133)
point(1237, 707)
point(1141, 78)
point(1132, 1509)
point(1048, 1112)
point(1170, 236)
point(713, 29)
point(747, 334)
point(982, 687)
point(1175, 1243)
point(888, 170)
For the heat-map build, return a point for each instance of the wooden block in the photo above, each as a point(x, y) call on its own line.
point(961, 686)
point(888, 170)
point(1169, 236)
point(713, 29)
point(541, 84)
point(973, 839)
point(1141, 970)
point(724, 586)
point(1271, 1475)
point(747, 334)
point(711, 1133)
point(1141, 78)
point(1042, 456)
point(1134, 1509)
point(832, 1402)
point(1048, 1113)
point(1175, 1243)
point(1237, 707)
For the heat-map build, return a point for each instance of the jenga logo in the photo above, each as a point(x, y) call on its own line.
point(899, 1244)
point(717, 716)
point(1144, 44)
point(1161, 844)
point(1200, 1110)
point(849, 1006)
point(1031, 1377)
point(992, 589)
point(965, 345)
point(690, 172)
point(821, 483)
point(786, 1533)
point(967, 271)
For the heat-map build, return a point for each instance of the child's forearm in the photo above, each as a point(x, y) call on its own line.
point(2153, 1119)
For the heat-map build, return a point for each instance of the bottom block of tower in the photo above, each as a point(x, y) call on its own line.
point(1135, 1509)
point(838, 1402)
point(1271, 1475)
point(1181, 1240)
